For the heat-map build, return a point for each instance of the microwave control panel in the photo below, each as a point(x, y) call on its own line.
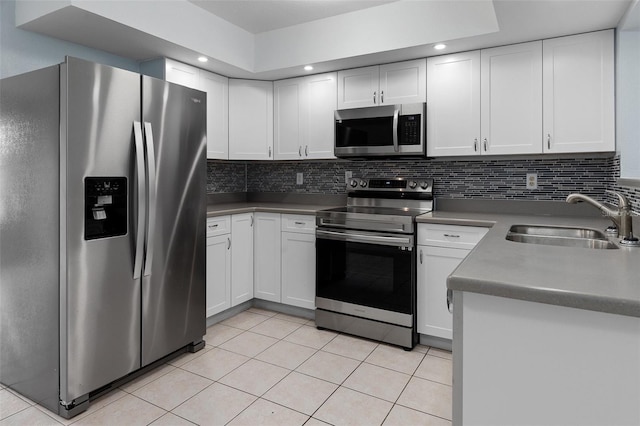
point(409, 129)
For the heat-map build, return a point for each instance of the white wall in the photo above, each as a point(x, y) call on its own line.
point(22, 51)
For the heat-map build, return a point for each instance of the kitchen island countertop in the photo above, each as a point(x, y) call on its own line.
point(598, 280)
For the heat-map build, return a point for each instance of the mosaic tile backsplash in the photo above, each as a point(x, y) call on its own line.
point(499, 179)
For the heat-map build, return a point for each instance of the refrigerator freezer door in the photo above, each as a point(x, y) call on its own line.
point(173, 283)
point(29, 235)
point(100, 303)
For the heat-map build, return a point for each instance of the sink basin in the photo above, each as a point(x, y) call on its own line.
point(560, 236)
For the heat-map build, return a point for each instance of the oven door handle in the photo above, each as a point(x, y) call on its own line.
point(386, 240)
point(388, 226)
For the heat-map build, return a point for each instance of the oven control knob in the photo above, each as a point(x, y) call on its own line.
point(353, 183)
point(424, 185)
point(363, 183)
point(413, 184)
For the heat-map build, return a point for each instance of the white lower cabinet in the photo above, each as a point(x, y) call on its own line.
point(299, 269)
point(285, 259)
point(269, 256)
point(218, 265)
point(241, 258)
point(267, 252)
point(441, 248)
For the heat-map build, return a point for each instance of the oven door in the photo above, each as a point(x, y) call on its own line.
point(366, 274)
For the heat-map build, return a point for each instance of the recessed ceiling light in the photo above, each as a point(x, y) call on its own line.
point(308, 68)
point(203, 59)
point(439, 46)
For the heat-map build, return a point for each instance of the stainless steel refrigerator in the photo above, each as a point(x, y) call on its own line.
point(102, 229)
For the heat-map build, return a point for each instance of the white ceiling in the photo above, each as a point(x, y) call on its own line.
point(274, 39)
point(257, 16)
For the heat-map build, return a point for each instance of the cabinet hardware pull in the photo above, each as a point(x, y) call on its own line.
point(251, 221)
point(421, 257)
point(452, 235)
point(450, 300)
point(299, 223)
point(300, 151)
point(269, 152)
point(382, 96)
point(374, 97)
point(228, 243)
point(475, 145)
point(306, 150)
point(549, 140)
point(213, 226)
point(485, 144)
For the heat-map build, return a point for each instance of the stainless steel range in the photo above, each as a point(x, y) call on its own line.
point(366, 260)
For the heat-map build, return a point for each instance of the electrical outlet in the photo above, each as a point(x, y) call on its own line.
point(299, 179)
point(348, 175)
point(532, 181)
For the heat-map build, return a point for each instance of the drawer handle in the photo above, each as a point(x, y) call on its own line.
point(213, 226)
point(299, 223)
point(452, 236)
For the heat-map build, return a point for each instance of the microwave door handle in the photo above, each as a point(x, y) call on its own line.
point(396, 112)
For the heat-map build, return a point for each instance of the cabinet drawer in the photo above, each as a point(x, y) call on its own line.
point(453, 236)
point(299, 223)
point(218, 226)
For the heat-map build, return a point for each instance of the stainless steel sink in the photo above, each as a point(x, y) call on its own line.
point(560, 236)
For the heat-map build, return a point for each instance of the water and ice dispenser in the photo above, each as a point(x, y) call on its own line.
point(105, 207)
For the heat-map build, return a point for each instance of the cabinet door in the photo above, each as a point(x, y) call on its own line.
point(511, 93)
point(435, 264)
point(453, 107)
point(287, 134)
point(267, 252)
point(241, 258)
point(179, 73)
point(218, 274)
point(317, 119)
point(403, 82)
point(358, 87)
point(217, 89)
point(299, 269)
point(578, 93)
point(250, 120)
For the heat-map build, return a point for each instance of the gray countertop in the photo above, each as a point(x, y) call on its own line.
point(598, 280)
point(269, 207)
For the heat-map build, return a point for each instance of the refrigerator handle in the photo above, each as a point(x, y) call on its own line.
point(142, 195)
point(151, 224)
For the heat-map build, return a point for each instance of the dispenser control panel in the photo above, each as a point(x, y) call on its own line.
point(105, 207)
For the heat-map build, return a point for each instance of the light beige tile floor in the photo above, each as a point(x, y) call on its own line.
point(266, 368)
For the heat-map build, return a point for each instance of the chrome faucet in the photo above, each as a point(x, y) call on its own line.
point(620, 216)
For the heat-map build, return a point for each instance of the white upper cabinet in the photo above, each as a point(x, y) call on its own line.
point(317, 119)
point(303, 117)
point(396, 83)
point(453, 107)
point(217, 89)
point(485, 102)
point(358, 87)
point(511, 99)
point(287, 134)
point(250, 120)
point(579, 93)
point(403, 82)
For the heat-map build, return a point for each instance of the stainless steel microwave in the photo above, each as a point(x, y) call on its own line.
point(381, 131)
